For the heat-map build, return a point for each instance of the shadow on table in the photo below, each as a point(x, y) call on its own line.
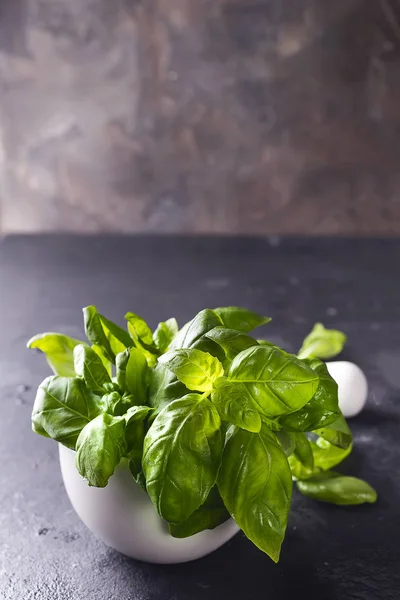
point(238, 571)
point(371, 417)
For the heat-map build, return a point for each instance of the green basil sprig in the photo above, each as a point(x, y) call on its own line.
point(337, 489)
point(255, 483)
point(181, 456)
point(323, 343)
point(210, 421)
point(59, 351)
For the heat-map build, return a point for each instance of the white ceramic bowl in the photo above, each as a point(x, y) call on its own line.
point(122, 515)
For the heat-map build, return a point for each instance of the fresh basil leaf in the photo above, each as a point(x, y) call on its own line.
point(141, 333)
point(333, 445)
point(206, 345)
point(116, 404)
point(111, 402)
point(287, 440)
point(99, 448)
point(139, 329)
point(140, 480)
point(127, 401)
point(242, 319)
point(135, 416)
point(36, 428)
point(277, 382)
point(111, 386)
point(107, 363)
point(197, 370)
point(95, 332)
point(59, 351)
point(326, 455)
point(89, 366)
point(337, 489)
point(181, 456)
point(192, 335)
point(235, 404)
point(265, 343)
point(134, 435)
point(164, 334)
point(322, 409)
point(192, 331)
point(231, 341)
point(301, 462)
point(62, 408)
point(133, 373)
point(164, 387)
point(119, 338)
point(337, 433)
point(104, 333)
point(208, 516)
point(322, 343)
point(255, 483)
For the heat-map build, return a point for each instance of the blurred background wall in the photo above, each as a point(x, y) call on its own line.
point(251, 116)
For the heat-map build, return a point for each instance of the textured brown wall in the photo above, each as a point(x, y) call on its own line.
point(259, 116)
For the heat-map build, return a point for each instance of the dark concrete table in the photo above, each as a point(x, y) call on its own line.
point(330, 553)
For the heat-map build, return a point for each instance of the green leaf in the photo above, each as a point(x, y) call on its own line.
point(111, 403)
point(265, 343)
point(118, 338)
point(104, 333)
point(107, 363)
point(255, 483)
point(287, 440)
point(337, 433)
point(208, 516)
point(231, 341)
point(197, 370)
point(302, 460)
point(112, 386)
point(191, 333)
point(164, 334)
point(99, 448)
point(326, 455)
point(277, 382)
point(322, 409)
point(322, 343)
point(206, 345)
point(164, 387)
point(333, 445)
point(135, 416)
point(116, 404)
point(133, 373)
point(141, 333)
point(63, 407)
point(36, 428)
point(181, 457)
point(242, 319)
point(337, 489)
point(235, 404)
point(90, 367)
point(59, 351)
point(138, 329)
point(134, 435)
point(140, 480)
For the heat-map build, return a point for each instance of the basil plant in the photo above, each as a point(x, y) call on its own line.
point(212, 422)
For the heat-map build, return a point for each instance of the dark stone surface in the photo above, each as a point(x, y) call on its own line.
point(330, 553)
point(256, 116)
